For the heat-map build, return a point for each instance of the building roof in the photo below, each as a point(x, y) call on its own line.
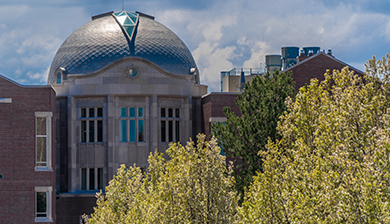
point(315, 67)
point(106, 39)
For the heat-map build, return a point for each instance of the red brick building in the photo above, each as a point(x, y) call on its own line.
point(307, 67)
point(27, 147)
point(315, 67)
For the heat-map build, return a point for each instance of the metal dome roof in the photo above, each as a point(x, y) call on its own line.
point(103, 41)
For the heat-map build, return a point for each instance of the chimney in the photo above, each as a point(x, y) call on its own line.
point(310, 53)
point(330, 52)
point(301, 56)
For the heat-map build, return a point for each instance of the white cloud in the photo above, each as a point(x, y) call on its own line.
point(41, 77)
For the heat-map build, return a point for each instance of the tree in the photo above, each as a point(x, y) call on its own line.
point(242, 137)
point(193, 186)
point(332, 164)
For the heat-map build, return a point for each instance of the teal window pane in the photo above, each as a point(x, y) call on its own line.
point(131, 111)
point(132, 130)
point(123, 112)
point(119, 13)
point(123, 131)
point(134, 19)
point(128, 22)
point(129, 30)
point(141, 137)
point(141, 112)
point(58, 77)
point(131, 14)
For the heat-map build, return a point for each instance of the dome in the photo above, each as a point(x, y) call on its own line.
point(107, 39)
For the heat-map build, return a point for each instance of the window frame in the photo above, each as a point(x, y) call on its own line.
point(133, 133)
point(96, 178)
point(48, 166)
point(49, 196)
point(87, 129)
point(172, 119)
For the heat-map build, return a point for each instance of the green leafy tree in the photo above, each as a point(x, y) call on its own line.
point(332, 164)
point(242, 137)
point(193, 186)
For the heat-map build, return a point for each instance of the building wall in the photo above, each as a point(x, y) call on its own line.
point(111, 89)
point(213, 104)
point(17, 148)
point(315, 67)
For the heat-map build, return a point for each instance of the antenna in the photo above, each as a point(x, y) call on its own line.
point(123, 6)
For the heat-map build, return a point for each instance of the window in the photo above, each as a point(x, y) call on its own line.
point(91, 179)
point(43, 199)
point(132, 124)
point(43, 141)
point(91, 124)
point(170, 125)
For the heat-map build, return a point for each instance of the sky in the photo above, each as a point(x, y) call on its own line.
point(221, 34)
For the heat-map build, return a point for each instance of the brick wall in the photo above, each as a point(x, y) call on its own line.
point(213, 104)
point(17, 148)
point(315, 67)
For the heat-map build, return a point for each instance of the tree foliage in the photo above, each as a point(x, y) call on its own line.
point(332, 164)
point(242, 137)
point(193, 186)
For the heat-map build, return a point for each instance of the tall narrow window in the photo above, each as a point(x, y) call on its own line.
point(100, 178)
point(163, 131)
point(141, 131)
point(43, 204)
point(59, 79)
point(170, 124)
point(43, 140)
point(92, 179)
point(132, 130)
point(91, 125)
point(123, 130)
point(92, 131)
point(83, 179)
point(177, 131)
point(170, 131)
point(100, 131)
point(136, 122)
point(83, 131)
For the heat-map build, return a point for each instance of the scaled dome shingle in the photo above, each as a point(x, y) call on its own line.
point(101, 42)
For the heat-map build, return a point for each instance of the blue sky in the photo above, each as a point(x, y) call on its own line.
point(221, 34)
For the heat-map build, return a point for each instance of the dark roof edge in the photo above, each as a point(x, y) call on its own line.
point(102, 15)
point(25, 86)
point(145, 15)
point(221, 93)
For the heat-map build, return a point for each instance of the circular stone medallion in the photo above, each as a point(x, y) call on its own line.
point(132, 72)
